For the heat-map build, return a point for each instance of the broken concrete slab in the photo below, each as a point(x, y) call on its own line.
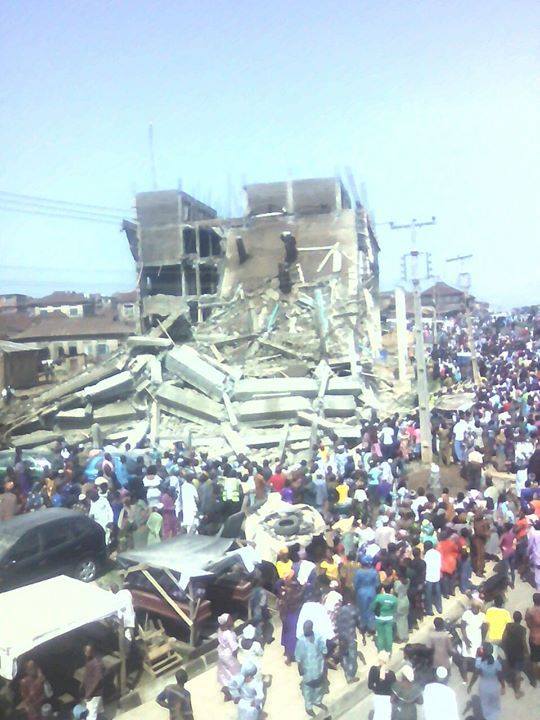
point(115, 412)
point(249, 388)
point(187, 364)
point(78, 417)
point(112, 387)
point(339, 406)
point(146, 342)
point(272, 438)
point(190, 404)
point(40, 437)
point(280, 408)
point(234, 439)
point(344, 386)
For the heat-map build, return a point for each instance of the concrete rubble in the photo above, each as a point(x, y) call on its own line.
point(256, 374)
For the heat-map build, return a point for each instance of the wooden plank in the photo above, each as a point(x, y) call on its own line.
point(167, 598)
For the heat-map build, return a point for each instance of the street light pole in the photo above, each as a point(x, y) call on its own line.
point(421, 369)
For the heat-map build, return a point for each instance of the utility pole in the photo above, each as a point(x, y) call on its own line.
point(464, 282)
point(414, 257)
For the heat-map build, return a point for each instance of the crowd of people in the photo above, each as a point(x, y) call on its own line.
point(391, 553)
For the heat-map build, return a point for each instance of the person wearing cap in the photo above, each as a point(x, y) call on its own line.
point(406, 695)
point(440, 702)
point(227, 665)
point(101, 511)
point(310, 654)
point(176, 699)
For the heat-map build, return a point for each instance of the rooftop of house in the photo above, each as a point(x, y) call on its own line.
point(60, 297)
point(56, 325)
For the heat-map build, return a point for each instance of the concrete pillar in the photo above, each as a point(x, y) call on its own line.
point(401, 333)
point(373, 325)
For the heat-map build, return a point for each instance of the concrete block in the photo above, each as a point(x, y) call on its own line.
point(76, 418)
point(187, 364)
point(190, 404)
point(146, 342)
point(344, 386)
point(248, 388)
point(279, 408)
point(116, 386)
point(115, 412)
point(339, 406)
point(40, 437)
point(234, 439)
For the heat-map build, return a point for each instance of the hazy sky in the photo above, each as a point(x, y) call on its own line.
point(434, 105)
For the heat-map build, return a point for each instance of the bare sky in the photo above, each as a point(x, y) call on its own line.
point(433, 104)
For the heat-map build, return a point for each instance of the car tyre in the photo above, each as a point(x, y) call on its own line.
point(86, 571)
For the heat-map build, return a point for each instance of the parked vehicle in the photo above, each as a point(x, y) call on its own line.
point(50, 542)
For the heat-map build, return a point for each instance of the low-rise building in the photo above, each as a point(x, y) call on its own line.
point(92, 336)
point(71, 304)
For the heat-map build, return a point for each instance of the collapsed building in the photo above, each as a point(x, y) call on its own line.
point(258, 332)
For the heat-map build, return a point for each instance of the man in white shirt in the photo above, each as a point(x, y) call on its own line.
point(189, 499)
point(432, 558)
point(460, 428)
point(101, 511)
point(386, 437)
point(419, 503)
point(126, 613)
point(440, 702)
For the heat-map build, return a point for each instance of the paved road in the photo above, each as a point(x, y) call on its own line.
point(527, 708)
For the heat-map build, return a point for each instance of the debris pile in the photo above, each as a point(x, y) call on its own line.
point(264, 371)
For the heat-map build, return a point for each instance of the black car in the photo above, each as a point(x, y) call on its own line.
point(50, 542)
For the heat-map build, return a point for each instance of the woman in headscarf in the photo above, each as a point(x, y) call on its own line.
point(290, 598)
point(366, 582)
point(154, 525)
point(491, 685)
point(401, 588)
point(168, 511)
point(406, 695)
point(380, 682)
point(227, 666)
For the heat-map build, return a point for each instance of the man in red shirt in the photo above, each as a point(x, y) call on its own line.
point(277, 480)
point(450, 552)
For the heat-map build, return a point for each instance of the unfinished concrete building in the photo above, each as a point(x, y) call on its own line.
point(295, 232)
point(178, 246)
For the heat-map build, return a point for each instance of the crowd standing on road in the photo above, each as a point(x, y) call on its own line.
point(391, 553)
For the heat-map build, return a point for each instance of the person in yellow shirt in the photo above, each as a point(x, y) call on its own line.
point(497, 618)
point(329, 566)
point(343, 499)
point(283, 563)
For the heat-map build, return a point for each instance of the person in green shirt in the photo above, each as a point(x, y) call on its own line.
point(384, 605)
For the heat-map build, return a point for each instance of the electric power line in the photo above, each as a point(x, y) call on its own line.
point(62, 215)
point(42, 200)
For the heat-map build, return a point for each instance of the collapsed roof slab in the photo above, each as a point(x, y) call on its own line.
point(248, 388)
point(190, 403)
point(344, 386)
point(40, 437)
point(115, 412)
point(282, 408)
point(112, 387)
point(187, 364)
point(339, 406)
